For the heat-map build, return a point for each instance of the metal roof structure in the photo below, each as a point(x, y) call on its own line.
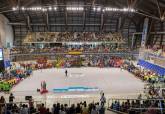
point(151, 8)
point(90, 20)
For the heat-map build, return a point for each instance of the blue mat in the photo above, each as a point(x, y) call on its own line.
point(75, 88)
point(158, 69)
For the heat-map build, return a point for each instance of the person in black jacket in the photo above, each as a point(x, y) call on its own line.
point(11, 98)
point(66, 73)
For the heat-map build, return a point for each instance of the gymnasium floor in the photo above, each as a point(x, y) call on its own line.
point(112, 81)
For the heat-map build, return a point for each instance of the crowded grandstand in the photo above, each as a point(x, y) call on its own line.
point(82, 57)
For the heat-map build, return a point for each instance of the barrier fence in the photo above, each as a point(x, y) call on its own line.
point(143, 106)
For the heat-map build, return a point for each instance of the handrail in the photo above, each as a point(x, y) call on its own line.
point(141, 108)
point(86, 53)
point(147, 108)
point(138, 99)
point(119, 112)
point(20, 102)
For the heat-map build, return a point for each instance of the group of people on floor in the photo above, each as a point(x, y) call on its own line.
point(66, 62)
point(143, 74)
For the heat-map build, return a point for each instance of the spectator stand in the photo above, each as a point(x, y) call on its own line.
point(158, 69)
point(137, 106)
point(17, 107)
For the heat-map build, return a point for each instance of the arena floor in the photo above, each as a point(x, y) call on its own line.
point(112, 81)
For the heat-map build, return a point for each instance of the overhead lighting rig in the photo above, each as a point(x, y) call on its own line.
point(74, 8)
point(97, 9)
point(35, 8)
point(119, 9)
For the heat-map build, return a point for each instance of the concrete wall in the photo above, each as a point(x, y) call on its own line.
point(6, 32)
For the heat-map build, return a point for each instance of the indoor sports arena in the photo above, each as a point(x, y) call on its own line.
point(82, 56)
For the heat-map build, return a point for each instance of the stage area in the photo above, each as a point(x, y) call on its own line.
point(112, 81)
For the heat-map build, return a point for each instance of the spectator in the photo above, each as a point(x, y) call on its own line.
point(24, 110)
point(94, 111)
point(97, 106)
point(72, 109)
point(62, 111)
point(42, 109)
point(102, 100)
point(85, 109)
point(11, 98)
point(78, 109)
point(2, 104)
point(53, 108)
point(151, 111)
point(47, 111)
point(31, 105)
point(66, 109)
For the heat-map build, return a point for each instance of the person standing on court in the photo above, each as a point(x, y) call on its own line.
point(66, 73)
point(102, 100)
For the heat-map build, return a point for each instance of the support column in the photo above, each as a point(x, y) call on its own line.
point(144, 37)
point(6, 32)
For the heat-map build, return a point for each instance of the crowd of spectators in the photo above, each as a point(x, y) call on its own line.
point(65, 49)
point(66, 62)
point(139, 106)
point(156, 50)
point(143, 74)
point(73, 36)
point(28, 107)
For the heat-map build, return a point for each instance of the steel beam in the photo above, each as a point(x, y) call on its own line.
point(159, 10)
point(43, 24)
point(147, 15)
point(28, 23)
point(47, 21)
point(84, 19)
point(102, 21)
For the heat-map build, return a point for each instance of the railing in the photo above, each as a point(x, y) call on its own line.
point(65, 98)
point(65, 53)
point(51, 56)
point(141, 108)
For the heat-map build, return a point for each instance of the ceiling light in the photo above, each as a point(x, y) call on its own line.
point(55, 8)
point(22, 8)
point(15, 8)
point(118, 9)
point(162, 18)
point(44, 9)
point(74, 8)
point(96, 8)
point(50, 8)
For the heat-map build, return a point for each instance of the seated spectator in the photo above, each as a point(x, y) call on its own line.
point(72, 109)
point(78, 109)
point(24, 109)
point(85, 109)
point(62, 111)
point(47, 111)
point(94, 111)
point(42, 109)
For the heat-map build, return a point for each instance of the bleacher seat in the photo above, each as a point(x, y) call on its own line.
point(158, 69)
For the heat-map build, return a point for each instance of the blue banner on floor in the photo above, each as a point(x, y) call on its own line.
point(75, 88)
